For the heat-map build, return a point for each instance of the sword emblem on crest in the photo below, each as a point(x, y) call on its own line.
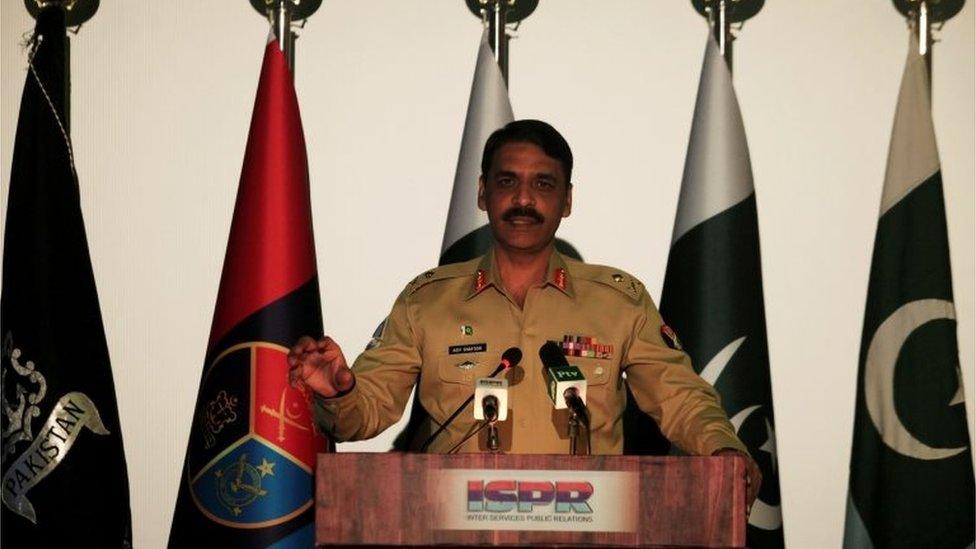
point(284, 416)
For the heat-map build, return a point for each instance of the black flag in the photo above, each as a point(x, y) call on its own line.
point(64, 472)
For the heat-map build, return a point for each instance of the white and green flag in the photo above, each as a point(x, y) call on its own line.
point(911, 482)
point(466, 234)
point(713, 292)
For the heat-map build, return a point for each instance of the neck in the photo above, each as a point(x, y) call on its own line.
point(520, 270)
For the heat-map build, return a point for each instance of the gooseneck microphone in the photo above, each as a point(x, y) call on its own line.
point(510, 358)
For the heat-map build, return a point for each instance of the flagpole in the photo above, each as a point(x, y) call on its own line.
point(76, 13)
point(499, 14)
point(926, 16)
point(282, 14)
point(722, 15)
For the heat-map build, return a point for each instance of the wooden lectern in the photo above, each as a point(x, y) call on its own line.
point(520, 500)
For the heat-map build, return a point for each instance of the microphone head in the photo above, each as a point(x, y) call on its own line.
point(552, 355)
point(511, 357)
point(491, 399)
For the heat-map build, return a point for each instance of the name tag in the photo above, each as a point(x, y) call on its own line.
point(469, 348)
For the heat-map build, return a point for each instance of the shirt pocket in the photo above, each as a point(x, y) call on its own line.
point(463, 369)
point(597, 371)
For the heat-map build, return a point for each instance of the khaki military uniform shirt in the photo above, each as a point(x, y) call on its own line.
point(450, 326)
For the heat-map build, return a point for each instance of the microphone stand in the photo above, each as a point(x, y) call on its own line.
point(573, 431)
point(492, 436)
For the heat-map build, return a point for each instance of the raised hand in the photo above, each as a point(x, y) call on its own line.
point(320, 366)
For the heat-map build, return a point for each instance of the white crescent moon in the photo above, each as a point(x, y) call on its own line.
point(763, 515)
point(717, 364)
point(879, 373)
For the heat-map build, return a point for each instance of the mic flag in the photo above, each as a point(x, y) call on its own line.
point(713, 293)
point(64, 471)
point(487, 388)
point(248, 473)
point(911, 481)
point(563, 382)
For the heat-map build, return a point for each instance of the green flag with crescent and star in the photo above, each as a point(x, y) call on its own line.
point(911, 482)
point(713, 290)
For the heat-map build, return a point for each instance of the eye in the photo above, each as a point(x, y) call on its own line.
point(505, 182)
point(545, 184)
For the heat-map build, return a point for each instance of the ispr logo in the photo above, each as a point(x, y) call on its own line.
point(503, 496)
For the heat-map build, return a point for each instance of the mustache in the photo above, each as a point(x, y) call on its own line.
point(520, 211)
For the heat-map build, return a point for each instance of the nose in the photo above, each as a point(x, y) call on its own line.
point(523, 195)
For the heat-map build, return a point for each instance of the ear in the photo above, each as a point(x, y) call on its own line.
point(482, 202)
point(568, 206)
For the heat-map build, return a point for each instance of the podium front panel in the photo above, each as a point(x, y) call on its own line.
point(513, 500)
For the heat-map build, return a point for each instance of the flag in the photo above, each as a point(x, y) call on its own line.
point(466, 234)
point(249, 467)
point(64, 471)
point(911, 481)
point(712, 295)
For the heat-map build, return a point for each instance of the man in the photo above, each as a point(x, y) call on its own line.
point(450, 325)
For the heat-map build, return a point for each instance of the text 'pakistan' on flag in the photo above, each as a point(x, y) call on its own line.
point(249, 469)
point(64, 472)
point(911, 482)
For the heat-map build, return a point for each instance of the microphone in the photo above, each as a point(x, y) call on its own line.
point(492, 395)
point(565, 384)
point(510, 358)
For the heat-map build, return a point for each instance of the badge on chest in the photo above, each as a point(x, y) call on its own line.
point(586, 347)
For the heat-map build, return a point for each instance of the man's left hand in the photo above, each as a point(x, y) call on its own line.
point(753, 475)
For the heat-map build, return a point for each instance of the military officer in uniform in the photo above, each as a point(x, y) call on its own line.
point(450, 325)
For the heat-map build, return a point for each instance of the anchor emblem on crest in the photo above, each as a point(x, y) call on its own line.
point(239, 485)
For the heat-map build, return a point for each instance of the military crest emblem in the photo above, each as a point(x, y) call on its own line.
point(251, 461)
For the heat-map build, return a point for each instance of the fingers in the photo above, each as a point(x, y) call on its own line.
point(319, 365)
point(302, 346)
point(753, 476)
point(344, 380)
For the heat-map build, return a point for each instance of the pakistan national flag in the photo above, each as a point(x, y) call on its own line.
point(911, 482)
point(713, 295)
point(466, 234)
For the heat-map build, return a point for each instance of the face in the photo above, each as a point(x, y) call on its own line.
point(526, 195)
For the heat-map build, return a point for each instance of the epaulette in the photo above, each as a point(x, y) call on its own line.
point(453, 270)
point(609, 276)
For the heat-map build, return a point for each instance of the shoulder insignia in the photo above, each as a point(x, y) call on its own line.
point(561, 278)
point(614, 278)
point(670, 337)
point(444, 272)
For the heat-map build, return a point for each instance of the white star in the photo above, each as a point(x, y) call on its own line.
point(770, 445)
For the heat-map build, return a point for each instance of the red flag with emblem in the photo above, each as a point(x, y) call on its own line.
point(248, 477)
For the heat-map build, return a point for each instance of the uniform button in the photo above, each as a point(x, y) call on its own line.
point(598, 370)
point(523, 423)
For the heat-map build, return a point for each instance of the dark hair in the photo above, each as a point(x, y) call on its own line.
point(536, 132)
